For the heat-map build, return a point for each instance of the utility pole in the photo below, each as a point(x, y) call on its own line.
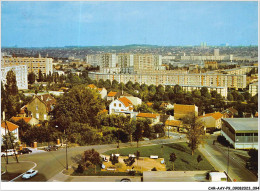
point(228, 160)
point(67, 167)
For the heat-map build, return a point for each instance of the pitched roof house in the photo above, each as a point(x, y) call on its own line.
point(155, 118)
point(180, 111)
point(101, 91)
point(120, 105)
point(111, 96)
point(11, 127)
point(32, 121)
point(40, 106)
point(211, 121)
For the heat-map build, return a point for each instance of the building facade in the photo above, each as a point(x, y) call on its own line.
point(20, 73)
point(253, 88)
point(166, 78)
point(242, 133)
point(33, 64)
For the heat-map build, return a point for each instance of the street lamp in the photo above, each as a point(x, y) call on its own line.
point(66, 148)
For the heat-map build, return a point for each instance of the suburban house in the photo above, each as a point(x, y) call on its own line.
point(242, 133)
point(173, 125)
point(30, 120)
point(134, 100)
point(166, 105)
point(40, 106)
point(101, 91)
point(23, 111)
point(155, 118)
point(11, 127)
point(120, 105)
point(230, 112)
point(180, 111)
point(211, 121)
point(111, 96)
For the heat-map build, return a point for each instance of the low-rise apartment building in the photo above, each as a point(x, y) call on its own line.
point(165, 78)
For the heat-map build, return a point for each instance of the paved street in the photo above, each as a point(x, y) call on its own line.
point(52, 163)
point(218, 157)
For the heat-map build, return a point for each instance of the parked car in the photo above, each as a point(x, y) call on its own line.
point(125, 180)
point(249, 166)
point(30, 173)
point(10, 152)
point(25, 151)
point(51, 148)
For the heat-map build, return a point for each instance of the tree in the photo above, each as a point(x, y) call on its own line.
point(253, 153)
point(173, 157)
point(40, 76)
point(130, 128)
point(23, 127)
point(204, 91)
point(240, 97)
point(81, 104)
point(199, 159)
point(11, 85)
point(138, 134)
point(230, 97)
point(93, 157)
point(177, 89)
point(31, 78)
point(8, 140)
point(195, 134)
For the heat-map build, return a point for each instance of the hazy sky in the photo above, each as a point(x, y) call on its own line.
point(48, 24)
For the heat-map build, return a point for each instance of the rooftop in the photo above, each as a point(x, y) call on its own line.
point(147, 115)
point(243, 124)
point(125, 101)
point(9, 125)
point(111, 94)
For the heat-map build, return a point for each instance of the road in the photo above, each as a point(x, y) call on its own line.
point(218, 157)
point(51, 163)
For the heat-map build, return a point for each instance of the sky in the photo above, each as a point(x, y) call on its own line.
point(99, 23)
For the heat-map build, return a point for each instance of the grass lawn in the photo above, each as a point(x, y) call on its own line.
point(184, 162)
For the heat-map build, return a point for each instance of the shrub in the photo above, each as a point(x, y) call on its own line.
point(154, 169)
point(80, 169)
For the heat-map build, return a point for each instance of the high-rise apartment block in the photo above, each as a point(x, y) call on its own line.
point(33, 64)
point(216, 52)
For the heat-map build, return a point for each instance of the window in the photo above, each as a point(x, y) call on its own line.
point(120, 105)
point(115, 104)
point(37, 115)
point(37, 107)
point(45, 116)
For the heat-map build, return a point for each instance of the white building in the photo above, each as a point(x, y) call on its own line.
point(134, 100)
point(253, 88)
point(120, 105)
point(20, 73)
point(242, 133)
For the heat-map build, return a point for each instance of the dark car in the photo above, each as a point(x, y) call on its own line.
point(24, 151)
point(51, 148)
point(125, 180)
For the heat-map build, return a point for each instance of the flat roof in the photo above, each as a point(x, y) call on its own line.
point(243, 124)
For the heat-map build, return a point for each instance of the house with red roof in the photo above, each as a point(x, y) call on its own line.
point(101, 91)
point(41, 106)
point(154, 117)
point(121, 105)
point(13, 128)
point(30, 120)
point(211, 121)
point(111, 96)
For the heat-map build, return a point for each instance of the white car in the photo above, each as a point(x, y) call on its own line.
point(30, 173)
point(10, 152)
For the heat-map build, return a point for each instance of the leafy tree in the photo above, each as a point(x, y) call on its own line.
point(235, 94)
point(113, 159)
point(115, 85)
point(230, 97)
point(23, 127)
point(240, 97)
point(158, 128)
point(204, 91)
point(11, 85)
point(214, 93)
point(81, 104)
point(173, 157)
point(40, 76)
point(196, 93)
point(93, 157)
point(31, 78)
point(253, 153)
point(247, 96)
point(130, 128)
point(8, 140)
point(195, 134)
point(177, 89)
point(138, 134)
